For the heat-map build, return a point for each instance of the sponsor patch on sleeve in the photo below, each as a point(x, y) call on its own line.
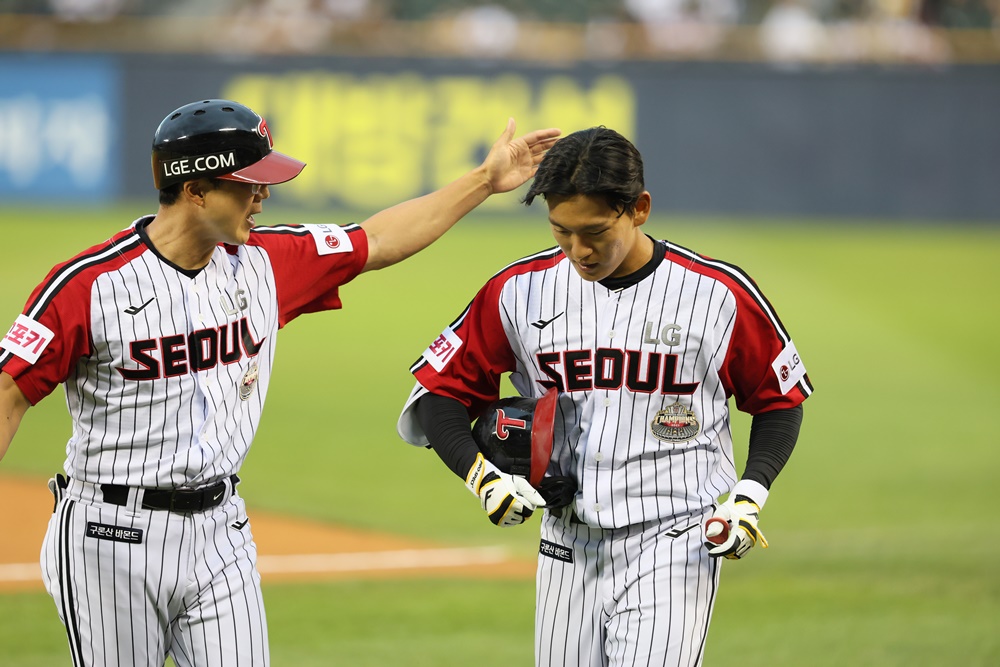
point(27, 339)
point(440, 352)
point(330, 239)
point(788, 368)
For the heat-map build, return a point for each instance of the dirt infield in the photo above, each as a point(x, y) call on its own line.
point(289, 548)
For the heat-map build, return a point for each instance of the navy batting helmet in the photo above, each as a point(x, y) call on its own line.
point(515, 434)
point(218, 139)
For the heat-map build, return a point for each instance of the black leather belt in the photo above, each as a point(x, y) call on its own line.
point(173, 500)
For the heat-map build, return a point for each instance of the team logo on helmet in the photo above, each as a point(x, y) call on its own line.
point(248, 382)
point(264, 131)
point(504, 422)
point(675, 423)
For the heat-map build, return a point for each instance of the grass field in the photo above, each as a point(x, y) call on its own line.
point(881, 527)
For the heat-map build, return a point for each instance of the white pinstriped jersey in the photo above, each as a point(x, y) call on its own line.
point(166, 371)
point(645, 374)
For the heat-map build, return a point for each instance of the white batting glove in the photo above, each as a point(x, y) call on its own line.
point(507, 499)
point(741, 513)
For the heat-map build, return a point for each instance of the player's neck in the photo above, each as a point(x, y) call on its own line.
point(638, 257)
point(180, 240)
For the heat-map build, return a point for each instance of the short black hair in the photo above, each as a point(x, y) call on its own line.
point(597, 161)
point(170, 194)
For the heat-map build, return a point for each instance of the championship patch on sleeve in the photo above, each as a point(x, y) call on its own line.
point(330, 239)
point(440, 352)
point(788, 368)
point(27, 339)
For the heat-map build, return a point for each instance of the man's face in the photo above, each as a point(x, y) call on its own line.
point(597, 240)
point(231, 206)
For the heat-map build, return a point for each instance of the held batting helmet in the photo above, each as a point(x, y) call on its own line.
point(515, 434)
point(218, 139)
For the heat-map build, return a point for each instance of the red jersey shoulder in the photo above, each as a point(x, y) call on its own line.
point(79, 272)
point(490, 292)
point(53, 330)
point(327, 239)
point(540, 261)
point(733, 277)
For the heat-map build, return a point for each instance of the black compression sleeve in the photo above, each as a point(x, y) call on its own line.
point(772, 438)
point(446, 423)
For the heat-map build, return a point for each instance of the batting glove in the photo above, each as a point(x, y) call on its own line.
point(507, 499)
point(558, 491)
point(741, 512)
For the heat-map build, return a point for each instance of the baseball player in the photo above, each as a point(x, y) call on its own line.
point(164, 337)
point(644, 341)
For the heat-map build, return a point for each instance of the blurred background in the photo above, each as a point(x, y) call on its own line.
point(845, 153)
point(861, 108)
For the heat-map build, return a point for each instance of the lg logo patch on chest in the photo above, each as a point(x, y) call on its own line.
point(102, 531)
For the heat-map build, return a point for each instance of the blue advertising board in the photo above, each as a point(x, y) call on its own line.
point(716, 138)
point(59, 128)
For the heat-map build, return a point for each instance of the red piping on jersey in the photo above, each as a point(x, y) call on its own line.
point(71, 283)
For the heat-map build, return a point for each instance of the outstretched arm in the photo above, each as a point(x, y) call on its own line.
point(13, 405)
point(405, 229)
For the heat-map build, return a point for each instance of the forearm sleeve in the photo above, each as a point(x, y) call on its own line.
point(772, 439)
point(446, 423)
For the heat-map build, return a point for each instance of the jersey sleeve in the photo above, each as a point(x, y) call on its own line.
point(762, 369)
point(47, 339)
point(466, 362)
point(310, 263)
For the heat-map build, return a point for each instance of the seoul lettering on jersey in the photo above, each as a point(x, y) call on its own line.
point(611, 368)
point(200, 350)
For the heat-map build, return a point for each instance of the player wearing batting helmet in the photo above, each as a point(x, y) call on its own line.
point(164, 337)
point(644, 341)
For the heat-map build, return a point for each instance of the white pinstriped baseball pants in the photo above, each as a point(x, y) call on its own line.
point(189, 589)
point(633, 596)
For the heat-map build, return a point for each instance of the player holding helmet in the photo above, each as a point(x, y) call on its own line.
point(645, 341)
point(164, 336)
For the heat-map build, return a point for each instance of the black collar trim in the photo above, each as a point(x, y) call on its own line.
point(140, 228)
point(616, 284)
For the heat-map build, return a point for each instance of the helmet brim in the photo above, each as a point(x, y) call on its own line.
point(273, 168)
point(542, 431)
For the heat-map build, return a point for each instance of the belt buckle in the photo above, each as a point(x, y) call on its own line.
point(183, 501)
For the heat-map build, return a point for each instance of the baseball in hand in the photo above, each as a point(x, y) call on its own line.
point(716, 530)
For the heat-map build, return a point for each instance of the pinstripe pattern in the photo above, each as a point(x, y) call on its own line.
point(688, 335)
point(632, 596)
point(201, 601)
point(626, 475)
point(63, 275)
point(202, 430)
point(166, 372)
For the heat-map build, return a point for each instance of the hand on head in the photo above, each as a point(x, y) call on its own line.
point(511, 162)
